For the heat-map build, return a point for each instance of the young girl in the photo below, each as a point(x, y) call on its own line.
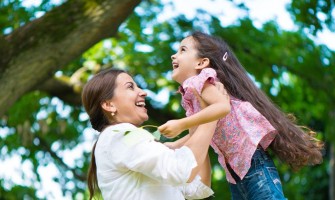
point(253, 124)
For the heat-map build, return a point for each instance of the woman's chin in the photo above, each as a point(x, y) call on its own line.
point(139, 123)
point(146, 118)
point(143, 119)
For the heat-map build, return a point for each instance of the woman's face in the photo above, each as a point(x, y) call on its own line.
point(129, 101)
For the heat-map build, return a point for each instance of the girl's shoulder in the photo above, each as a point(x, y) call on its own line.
point(198, 81)
point(206, 75)
point(208, 72)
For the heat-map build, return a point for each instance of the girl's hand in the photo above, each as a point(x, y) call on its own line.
point(171, 128)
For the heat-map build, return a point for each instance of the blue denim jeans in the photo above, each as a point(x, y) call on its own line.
point(262, 182)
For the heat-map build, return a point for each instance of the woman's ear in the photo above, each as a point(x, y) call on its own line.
point(108, 106)
point(203, 63)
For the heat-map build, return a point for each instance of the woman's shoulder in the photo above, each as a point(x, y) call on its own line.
point(131, 134)
point(124, 133)
point(116, 131)
point(122, 127)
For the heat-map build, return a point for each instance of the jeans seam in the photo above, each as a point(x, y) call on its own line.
point(273, 179)
point(260, 166)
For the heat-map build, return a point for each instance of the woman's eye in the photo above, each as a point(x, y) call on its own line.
point(131, 86)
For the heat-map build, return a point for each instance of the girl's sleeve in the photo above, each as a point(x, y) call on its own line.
point(198, 82)
point(141, 153)
point(196, 189)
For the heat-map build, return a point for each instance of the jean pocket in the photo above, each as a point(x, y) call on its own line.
point(275, 179)
point(254, 180)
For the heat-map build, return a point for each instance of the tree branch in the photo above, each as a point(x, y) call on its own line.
point(35, 51)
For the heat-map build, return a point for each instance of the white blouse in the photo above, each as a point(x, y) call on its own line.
point(131, 165)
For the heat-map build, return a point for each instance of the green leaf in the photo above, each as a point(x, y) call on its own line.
point(157, 135)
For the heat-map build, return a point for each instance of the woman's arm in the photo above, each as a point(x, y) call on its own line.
point(205, 168)
point(178, 143)
point(199, 143)
point(142, 154)
point(206, 172)
point(200, 187)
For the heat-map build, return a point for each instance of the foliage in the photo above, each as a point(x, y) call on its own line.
point(288, 66)
point(315, 15)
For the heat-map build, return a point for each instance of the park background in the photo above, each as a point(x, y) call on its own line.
point(49, 49)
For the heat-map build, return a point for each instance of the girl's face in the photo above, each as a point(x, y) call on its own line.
point(128, 101)
point(185, 61)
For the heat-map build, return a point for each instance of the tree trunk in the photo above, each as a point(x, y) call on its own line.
point(31, 54)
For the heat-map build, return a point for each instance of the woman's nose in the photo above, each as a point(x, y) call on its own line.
point(142, 93)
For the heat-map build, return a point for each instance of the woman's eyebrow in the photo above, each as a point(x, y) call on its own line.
point(129, 82)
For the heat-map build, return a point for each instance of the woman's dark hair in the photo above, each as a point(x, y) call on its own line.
point(296, 145)
point(97, 90)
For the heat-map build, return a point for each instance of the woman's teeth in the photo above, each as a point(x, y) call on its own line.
point(141, 104)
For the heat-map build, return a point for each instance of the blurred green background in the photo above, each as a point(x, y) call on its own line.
point(49, 49)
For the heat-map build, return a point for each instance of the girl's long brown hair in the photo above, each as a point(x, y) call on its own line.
point(97, 90)
point(296, 145)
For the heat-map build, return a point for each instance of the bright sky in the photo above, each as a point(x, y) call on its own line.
point(260, 11)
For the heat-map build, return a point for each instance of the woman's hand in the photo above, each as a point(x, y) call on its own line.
point(221, 88)
point(203, 104)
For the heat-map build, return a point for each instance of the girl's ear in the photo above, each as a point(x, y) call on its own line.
point(203, 63)
point(108, 106)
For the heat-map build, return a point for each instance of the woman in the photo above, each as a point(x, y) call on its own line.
point(126, 162)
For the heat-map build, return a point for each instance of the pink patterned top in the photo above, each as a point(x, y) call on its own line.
point(238, 134)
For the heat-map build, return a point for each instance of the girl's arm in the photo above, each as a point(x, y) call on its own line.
point(218, 107)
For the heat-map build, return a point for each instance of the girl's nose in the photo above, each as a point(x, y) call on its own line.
point(173, 56)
